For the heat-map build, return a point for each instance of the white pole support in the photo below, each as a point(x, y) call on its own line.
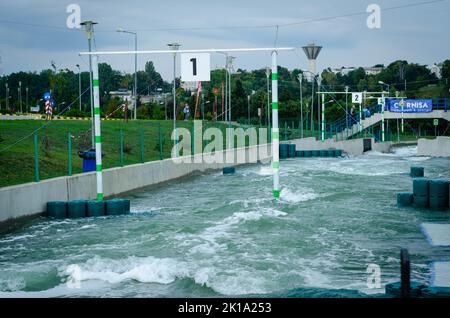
point(382, 118)
point(275, 129)
point(323, 117)
point(97, 128)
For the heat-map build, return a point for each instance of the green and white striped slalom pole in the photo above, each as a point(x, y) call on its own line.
point(275, 129)
point(98, 138)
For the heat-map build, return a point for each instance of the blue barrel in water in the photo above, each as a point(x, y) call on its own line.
point(421, 192)
point(57, 209)
point(315, 153)
point(331, 153)
point(404, 199)
point(76, 209)
point(439, 194)
point(95, 208)
point(417, 172)
point(228, 170)
point(117, 207)
point(284, 151)
point(338, 152)
point(307, 153)
point(291, 150)
point(299, 153)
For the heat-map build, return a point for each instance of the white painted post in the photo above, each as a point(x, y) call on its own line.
point(382, 118)
point(323, 117)
point(275, 130)
point(97, 128)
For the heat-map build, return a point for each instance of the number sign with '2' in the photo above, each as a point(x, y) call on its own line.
point(195, 67)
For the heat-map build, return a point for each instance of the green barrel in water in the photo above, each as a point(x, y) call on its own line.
point(307, 153)
point(291, 150)
point(436, 292)
point(57, 209)
point(404, 199)
point(395, 290)
point(117, 207)
point(439, 194)
point(95, 208)
point(228, 170)
point(299, 153)
point(324, 153)
point(315, 153)
point(76, 209)
point(331, 153)
point(284, 151)
point(417, 172)
point(421, 192)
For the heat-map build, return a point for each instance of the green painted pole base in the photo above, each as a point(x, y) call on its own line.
point(99, 196)
point(276, 193)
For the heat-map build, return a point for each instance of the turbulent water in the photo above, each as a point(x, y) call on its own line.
point(215, 235)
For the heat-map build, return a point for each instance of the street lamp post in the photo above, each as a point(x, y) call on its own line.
point(7, 94)
point(300, 79)
point(79, 84)
point(268, 96)
point(135, 70)
point(89, 28)
point(248, 109)
point(346, 107)
point(19, 91)
point(26, 98)
point(174, 47)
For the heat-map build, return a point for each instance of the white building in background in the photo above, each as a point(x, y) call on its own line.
point(436, 70)
point(369, 70)
point(123, 94)
point(189, 86)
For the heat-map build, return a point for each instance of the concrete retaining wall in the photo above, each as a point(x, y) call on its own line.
point(439, 147)
point(31, 198)
point(353, 147)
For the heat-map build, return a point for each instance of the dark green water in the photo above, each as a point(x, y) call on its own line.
point(216, 235)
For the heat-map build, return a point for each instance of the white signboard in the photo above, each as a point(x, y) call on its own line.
point(195, 67)
point(380, 101)
point(356, 98)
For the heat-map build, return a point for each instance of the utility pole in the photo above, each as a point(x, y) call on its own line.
point(7, 95)
point(174, 47)
point(26, 99)
point(268, 96)
point(300, 78)
point(79, 85)
point(19, 91)
point(89, 28)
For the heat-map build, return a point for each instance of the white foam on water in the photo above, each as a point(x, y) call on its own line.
point(90, 226)
point(17, 238)
point(265, 171)
point(144, 269)
point(297, 196)
point(407, 151)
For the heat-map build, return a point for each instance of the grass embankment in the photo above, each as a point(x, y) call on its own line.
point(17, 163)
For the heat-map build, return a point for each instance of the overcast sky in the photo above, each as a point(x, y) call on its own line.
point(417, 33)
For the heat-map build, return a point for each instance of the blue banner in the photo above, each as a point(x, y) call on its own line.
point(411, 105)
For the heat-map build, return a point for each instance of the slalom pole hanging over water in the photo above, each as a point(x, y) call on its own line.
point(98, 138)
point(275, 130)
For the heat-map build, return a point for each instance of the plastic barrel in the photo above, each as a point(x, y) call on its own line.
point(394, 289)
point(57, 209)
point(338, 152)
point(324, 153)
point(438, 194)
point(315, 153)
point(116, 207)
point(404, 199)
point(436, 292)
point(291, 150)
point(307, 153)
point(299, 153)
point(228, 170)
point(95, 208)
point(76, 209)
point(421, 192)
point(331, 153)
point(417, 172)
point(284, 151)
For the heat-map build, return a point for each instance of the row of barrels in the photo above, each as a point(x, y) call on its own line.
point(87, 208)
point(289, 151)
point(427, 193)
